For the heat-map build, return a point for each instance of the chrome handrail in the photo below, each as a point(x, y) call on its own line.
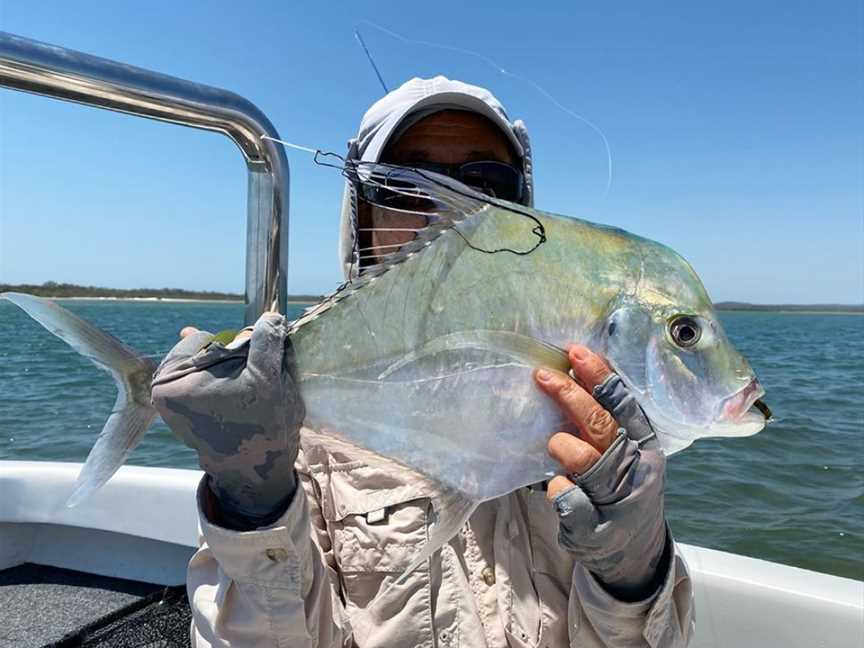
point(43, 69)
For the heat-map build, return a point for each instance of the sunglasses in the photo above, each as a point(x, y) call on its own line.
point(495, 179)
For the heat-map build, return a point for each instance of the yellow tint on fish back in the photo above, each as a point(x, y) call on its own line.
point(555, 293)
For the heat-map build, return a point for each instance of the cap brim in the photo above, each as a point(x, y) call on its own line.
point(440, 101)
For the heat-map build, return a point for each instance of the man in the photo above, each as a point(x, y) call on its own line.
point(296, 541)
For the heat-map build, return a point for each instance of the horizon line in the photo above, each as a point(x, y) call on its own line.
point(172, 293)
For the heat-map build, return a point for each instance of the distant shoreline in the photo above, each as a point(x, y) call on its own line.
point(54, 290)
point(781, 311)
point(143, 299)
point(192, 300)
point(299, 302)
point(812, 309)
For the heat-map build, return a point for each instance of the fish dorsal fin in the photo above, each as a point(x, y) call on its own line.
point(449, 203)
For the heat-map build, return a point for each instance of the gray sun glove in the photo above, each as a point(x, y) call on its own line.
point(612, 519)
point(239, 408)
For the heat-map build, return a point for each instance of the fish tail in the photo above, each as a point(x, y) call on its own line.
point(133, 411)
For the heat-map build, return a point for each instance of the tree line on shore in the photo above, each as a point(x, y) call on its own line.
point(61, 290)
point(792, 308)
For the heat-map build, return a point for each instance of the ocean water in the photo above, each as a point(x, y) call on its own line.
point(792, 494)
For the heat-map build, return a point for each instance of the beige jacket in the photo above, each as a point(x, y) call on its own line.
point(502, 581)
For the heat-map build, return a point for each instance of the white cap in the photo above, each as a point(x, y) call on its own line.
point(396, 111)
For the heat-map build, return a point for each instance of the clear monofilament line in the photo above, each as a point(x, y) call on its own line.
point(507, 73)
point(158, 355)
point(390, 229)
point(383, 247)
point(440, 192)
point(291, 145)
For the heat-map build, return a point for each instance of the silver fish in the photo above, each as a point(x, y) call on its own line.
point(427, 358)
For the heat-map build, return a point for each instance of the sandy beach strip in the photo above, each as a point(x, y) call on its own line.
point(190, 300)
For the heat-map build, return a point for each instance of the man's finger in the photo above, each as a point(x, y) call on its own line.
point(574, 454)
point(186, 331)
point(589, 368)
point(595, 424)
point(189, 345)
point(247, 332)
point(557, 485)
point(268, 342)
point(242, 335)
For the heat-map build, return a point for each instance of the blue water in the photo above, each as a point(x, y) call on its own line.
point(792, 494)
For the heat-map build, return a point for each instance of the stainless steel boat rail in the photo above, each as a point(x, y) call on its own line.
point(39, 68)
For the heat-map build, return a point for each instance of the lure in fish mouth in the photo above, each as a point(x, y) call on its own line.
point(760, 405)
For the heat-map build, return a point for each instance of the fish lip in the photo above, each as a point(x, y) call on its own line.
point(734, 408)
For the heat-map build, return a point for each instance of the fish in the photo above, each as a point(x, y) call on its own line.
point(426, 358)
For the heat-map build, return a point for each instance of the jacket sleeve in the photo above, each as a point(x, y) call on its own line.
point(665, 620)
point(268, 587)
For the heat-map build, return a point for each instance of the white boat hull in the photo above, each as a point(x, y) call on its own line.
point(142, 526)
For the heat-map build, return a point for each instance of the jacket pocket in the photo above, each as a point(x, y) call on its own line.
point(377, 524)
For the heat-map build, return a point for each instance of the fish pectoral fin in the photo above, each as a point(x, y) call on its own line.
point(527, 350)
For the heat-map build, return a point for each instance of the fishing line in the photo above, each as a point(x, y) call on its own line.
point(507, 73)
point(390, 229)
point(351, 171)
point(291, 145)
point(371, 60)
point(538, 230)
point(380, 247)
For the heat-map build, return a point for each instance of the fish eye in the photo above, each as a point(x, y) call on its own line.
point(685, 331)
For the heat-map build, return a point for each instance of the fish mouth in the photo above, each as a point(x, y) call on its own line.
point(735, 408)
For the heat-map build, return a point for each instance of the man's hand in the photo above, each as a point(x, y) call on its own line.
point(237, 405)
point(610, 497)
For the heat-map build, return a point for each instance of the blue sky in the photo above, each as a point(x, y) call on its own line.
point(735, 129)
